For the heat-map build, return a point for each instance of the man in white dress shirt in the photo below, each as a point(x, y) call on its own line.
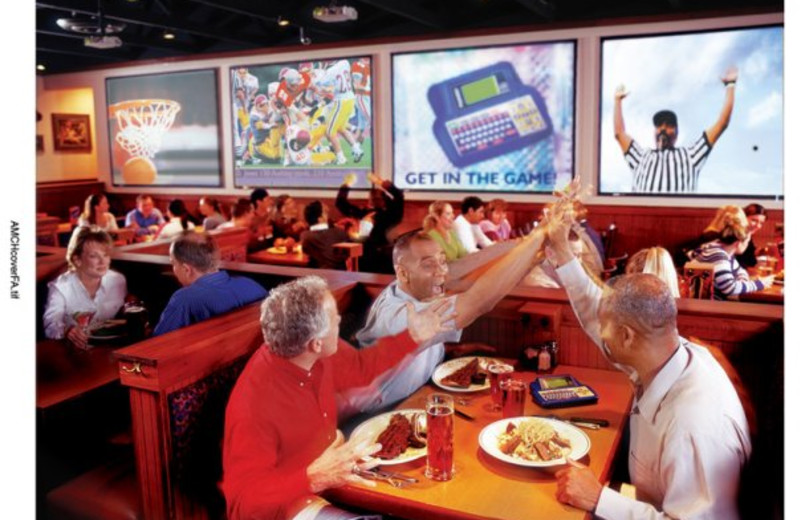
point(689, 435)
point(467, 225)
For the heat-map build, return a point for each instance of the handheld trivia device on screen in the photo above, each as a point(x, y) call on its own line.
point(486, 113)
point(561, 390)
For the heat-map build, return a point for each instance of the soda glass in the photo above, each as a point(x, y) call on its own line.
point(513, 397)
point(498, 372)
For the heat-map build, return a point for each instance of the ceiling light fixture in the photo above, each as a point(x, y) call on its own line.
point(305, 40)
point(40, 67)
point(169, 35)
point(283, 22)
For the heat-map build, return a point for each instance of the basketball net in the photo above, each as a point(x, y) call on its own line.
point(142, 123)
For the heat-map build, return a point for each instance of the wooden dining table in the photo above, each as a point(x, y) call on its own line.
point(485, 487)
point(773, 294)
point(298, 259)
point(64, 372)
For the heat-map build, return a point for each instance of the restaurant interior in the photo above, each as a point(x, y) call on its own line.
point(508, 102)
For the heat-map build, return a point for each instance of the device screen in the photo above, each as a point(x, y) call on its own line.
point(555, 382)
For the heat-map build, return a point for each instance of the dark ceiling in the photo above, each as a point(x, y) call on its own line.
point(222, 26)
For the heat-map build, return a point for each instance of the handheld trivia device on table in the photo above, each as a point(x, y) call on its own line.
point(486, 113)
point(561, 390)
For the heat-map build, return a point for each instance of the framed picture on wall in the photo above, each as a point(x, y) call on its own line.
point(72, 133)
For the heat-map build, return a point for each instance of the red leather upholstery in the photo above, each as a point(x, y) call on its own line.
point(109, 492)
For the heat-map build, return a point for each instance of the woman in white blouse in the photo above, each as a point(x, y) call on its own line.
point(89, 286)
point(178, 220)
point(95, 213)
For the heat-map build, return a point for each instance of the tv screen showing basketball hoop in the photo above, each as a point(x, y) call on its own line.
point(302, 124)
point(164, 129)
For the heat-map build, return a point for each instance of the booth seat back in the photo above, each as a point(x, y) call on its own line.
point(179, 387)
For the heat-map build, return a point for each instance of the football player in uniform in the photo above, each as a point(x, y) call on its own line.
point(298, 151)
point(341, 111)
point(362, 85)
point(267, 129)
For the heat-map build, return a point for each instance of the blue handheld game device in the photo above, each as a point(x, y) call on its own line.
point(561, 390)
point(486, 113)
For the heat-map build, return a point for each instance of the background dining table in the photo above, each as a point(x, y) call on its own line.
point(485, 487)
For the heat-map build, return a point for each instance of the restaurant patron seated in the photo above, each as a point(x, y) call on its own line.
point(281, 444)
point(146, 219)
point(689, 436)
point(88, 291)
point(207, 291)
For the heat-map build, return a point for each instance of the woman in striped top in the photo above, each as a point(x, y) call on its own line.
point(730, 279)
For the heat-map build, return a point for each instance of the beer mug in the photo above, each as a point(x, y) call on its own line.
point(439, 425)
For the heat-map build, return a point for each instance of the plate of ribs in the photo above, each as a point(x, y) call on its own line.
point(466, 374)
point(395, 432)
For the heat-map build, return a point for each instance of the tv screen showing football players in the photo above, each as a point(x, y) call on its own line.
point(495, 118)
point(302, 124)
point(164, 129)
point(693, 114)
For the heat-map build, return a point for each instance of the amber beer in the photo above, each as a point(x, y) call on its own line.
point(439, 417)
point(513, 395)
point(498, 372)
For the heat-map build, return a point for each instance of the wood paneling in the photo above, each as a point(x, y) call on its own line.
point(55, 198)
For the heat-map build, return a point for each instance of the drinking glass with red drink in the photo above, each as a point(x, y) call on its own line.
point(439, 419)
point(513, 397)
point(498, 372)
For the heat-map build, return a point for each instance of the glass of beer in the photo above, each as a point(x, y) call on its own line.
point(498, 372)
point(513, 397)
point(439, 418)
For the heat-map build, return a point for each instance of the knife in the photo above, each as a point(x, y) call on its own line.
point(465, 415)
point(589, 424)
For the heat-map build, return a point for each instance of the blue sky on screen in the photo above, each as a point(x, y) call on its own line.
point(681, 73)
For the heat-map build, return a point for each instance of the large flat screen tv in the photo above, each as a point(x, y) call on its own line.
point(494, 119)
point(164, 129)
point(302, 124)
point(700, 114)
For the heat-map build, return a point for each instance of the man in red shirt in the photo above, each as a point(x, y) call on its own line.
point(281, 444)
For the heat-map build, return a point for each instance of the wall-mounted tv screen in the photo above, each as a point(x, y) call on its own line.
point(164, 129)
point(693, 114)
point(495, 118)
point(302, 124)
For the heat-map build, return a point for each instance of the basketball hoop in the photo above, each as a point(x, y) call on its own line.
point(141, 124)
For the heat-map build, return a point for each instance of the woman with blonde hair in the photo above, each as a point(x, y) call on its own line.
point(730, 279)
point(655, 260)
point(438, 224)
point(88, 293)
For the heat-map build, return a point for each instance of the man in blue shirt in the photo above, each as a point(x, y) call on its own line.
point(206, 291)
point(146, 219)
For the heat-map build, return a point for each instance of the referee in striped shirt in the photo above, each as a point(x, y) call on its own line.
point(668, 169)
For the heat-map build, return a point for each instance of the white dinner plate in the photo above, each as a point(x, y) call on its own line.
point(448, 367)
point(579, 440)
point(371, 428)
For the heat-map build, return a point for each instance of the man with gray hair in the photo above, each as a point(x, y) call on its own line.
point(206, 291)
point(281, 443)
point(689, 434)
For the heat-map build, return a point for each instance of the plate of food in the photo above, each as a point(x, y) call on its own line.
point(466, 374)
point(395, 432)
point(109, 329)
point(534, 442)
point(277, 250)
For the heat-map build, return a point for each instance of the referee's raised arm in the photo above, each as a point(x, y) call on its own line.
point(620, 134)
point(729, 80)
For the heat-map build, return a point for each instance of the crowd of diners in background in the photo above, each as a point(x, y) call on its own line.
point(300, 321)
point(727, 243)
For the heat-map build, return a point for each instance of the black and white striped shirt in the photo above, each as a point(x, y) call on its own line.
point(674, 170)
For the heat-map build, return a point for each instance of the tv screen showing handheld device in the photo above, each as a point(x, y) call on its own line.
point(164, 129)
point(489, 119)
point(302, 124)
point(693, 114)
